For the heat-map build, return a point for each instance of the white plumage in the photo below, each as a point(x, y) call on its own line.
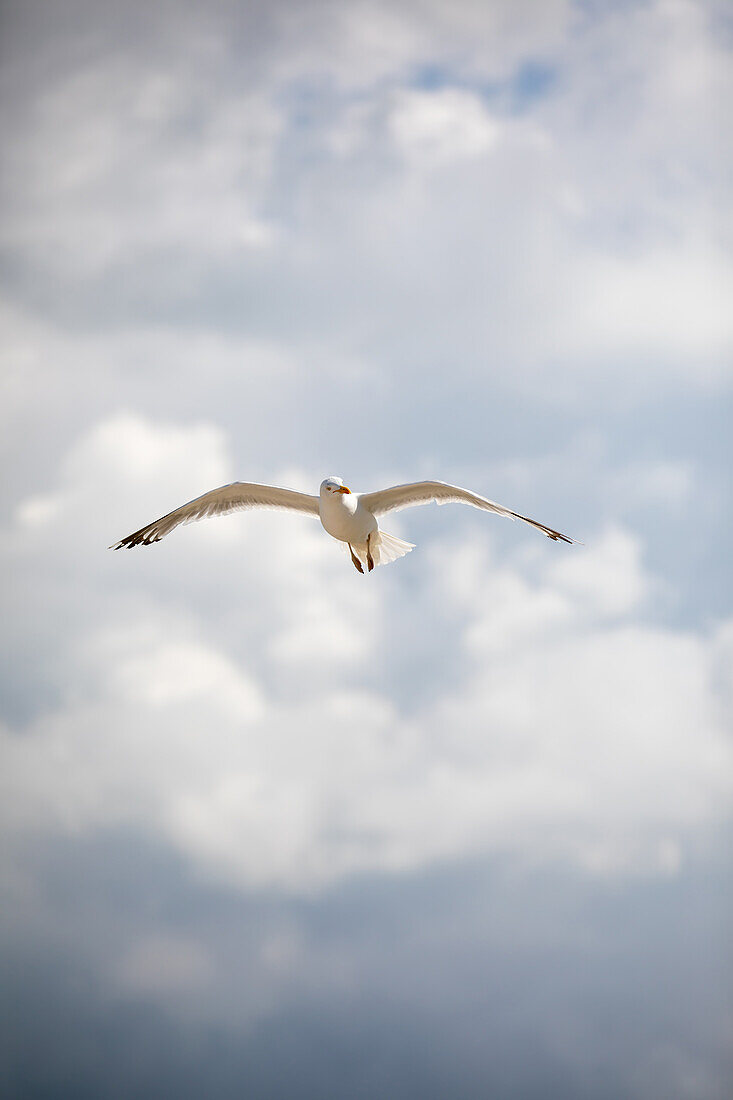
point(349, 517)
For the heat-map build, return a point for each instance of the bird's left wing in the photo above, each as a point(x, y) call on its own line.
point(229, 498)
point(427, 492)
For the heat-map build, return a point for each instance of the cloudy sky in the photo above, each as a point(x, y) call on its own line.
point(459, 828)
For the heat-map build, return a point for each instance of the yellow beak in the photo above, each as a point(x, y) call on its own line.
point(343, 489)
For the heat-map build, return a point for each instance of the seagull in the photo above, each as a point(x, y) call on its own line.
point(349, 517)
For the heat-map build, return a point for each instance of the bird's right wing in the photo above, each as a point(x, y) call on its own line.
point(427, 492)
point(229, 498)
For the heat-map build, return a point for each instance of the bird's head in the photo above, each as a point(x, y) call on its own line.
point(333, 485)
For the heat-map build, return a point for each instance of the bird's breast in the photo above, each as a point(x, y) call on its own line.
point(345, 519)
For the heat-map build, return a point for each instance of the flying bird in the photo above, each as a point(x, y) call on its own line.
point(349, 517)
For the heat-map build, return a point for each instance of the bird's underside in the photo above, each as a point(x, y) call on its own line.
point(351, 518)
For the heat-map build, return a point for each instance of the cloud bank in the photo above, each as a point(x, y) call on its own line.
point(466, 823)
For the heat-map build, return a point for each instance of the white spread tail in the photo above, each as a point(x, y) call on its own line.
point(387, 548)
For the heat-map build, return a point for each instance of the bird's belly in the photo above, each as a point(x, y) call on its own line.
point(348, 526)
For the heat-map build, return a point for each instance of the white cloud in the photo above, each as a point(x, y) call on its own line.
point(671, 298)
point(124, 161)
point(434, 128)
point(362, 44)
point(606, 580)
point(575, 731)
point(160, 674)
point(567, 236)
point(126, 454)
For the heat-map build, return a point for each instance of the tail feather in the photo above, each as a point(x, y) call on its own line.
point(387, 548)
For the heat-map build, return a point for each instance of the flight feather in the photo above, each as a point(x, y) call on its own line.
point(439, 492)
point(236, 497)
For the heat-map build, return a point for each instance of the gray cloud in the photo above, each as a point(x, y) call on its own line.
point(450, 979)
